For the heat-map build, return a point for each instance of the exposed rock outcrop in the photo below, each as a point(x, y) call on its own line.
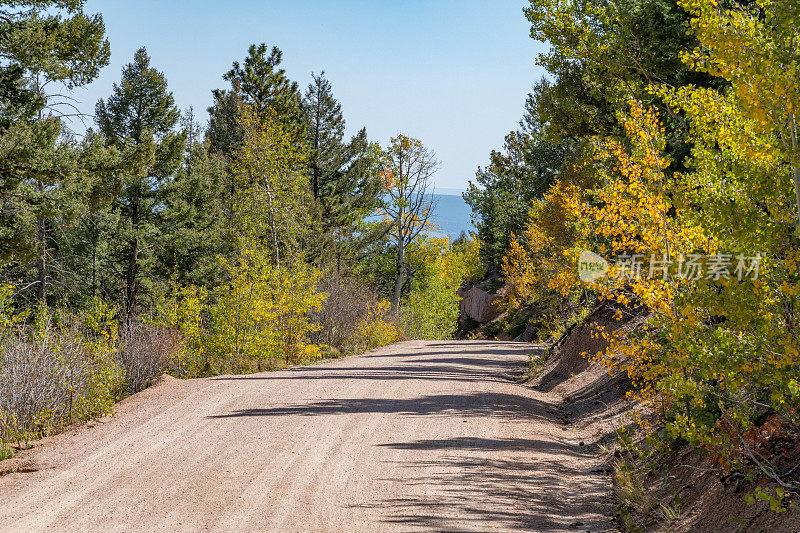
point(479, 304)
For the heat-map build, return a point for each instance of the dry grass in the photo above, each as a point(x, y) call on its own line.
point(53, 376)
point(145, 353)
point(46, 379)
point(348, 305)
point(637, 508)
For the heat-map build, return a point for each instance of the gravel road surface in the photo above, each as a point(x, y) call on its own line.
point(417, 436)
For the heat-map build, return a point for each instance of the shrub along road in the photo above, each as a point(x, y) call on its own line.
point(415, 436)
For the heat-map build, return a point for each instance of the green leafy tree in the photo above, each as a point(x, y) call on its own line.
point(263, 316)
point(263, 312)
point(602, 54)
point(272, 198)
point(407, 167)
point(430, 311)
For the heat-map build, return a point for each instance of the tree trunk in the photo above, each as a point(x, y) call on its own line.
point(796, 173)
point(315, 185)
point(133, 259)
point(94, 266)
point(401, 263)
point(41, 263)
point(274, 230)
point(318, 120)
point(797, 194)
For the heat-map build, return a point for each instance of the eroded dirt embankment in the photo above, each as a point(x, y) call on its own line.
point(685, 480)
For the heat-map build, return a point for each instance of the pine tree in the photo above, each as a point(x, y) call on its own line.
point(261, 85)
point(139, 118)
point(224, 133)
point(504, 191)
point(44, 44)
point(344, 177)
point(193, 217)
point(324, 130)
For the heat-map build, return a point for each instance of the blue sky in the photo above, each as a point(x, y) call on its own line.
point(451, 73)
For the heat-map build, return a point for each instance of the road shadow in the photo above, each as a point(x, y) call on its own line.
point(464, 347)
point(474, 404)
point(481, 444)
point(433, 365)
point(505, 494)
point(392, 373)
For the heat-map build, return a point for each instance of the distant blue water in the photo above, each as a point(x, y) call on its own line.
point(451, 215)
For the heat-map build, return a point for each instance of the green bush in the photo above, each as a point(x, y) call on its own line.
point(431, 311)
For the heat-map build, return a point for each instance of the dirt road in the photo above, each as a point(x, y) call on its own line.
point(416, 436)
